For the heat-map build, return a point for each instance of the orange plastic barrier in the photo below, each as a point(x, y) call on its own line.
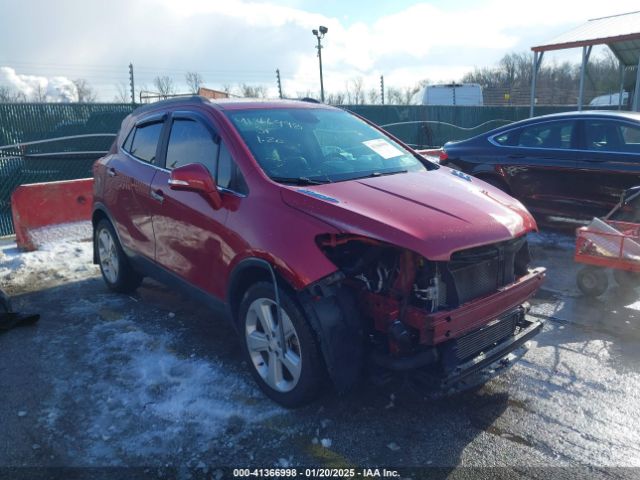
point(41, 204)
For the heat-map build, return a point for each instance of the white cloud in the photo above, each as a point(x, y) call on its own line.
point(238, 41)
point(33, 87)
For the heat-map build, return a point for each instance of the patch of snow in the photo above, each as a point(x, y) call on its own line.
point(149, 399)
point(285, 462)
point(62, 232)
point(54, 263)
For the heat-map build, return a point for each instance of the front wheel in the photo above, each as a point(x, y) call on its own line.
point(592, 281)
point(283, 355)
point(114, 264)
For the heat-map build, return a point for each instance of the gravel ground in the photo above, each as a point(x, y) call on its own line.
point(154, 379)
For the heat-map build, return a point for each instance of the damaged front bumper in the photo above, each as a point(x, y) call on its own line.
point(450, 344)
point(529, 328)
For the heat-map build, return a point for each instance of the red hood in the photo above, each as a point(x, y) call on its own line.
point(432, 213)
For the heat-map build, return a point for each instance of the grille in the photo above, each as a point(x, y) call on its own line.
point(475, 342)
point(480, 271)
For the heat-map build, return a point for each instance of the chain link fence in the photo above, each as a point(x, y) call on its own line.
point(433, 126)
point(49, 142)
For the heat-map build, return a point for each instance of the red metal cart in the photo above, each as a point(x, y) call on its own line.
point(609, 244)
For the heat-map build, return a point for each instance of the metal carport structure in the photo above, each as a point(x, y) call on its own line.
point(621, 33)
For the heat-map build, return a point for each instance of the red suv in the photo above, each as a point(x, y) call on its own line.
point(334, 246)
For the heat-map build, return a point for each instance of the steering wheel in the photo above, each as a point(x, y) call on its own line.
point(295, 165)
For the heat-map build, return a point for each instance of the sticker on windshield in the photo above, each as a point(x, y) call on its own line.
point(383, 148)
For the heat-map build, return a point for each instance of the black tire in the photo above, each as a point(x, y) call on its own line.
point(312, 374)
point(626, 279)
point(122, 278)
point(5, 303)
point(592, 281)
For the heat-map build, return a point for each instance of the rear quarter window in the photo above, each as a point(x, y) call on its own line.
point(144, 141)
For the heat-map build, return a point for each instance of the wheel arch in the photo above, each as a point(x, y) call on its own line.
point(100, 213)
point(246, 273)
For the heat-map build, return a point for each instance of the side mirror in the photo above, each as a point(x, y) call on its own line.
point(195, 177)
point(628, 194)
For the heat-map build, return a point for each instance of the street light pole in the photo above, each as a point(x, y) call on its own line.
point(319, 34)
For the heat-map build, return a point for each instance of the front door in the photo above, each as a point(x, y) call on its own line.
point(540, 165)
point(188, 230)
point(608, 164)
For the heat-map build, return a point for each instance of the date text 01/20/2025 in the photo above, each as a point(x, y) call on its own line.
point(315, 472)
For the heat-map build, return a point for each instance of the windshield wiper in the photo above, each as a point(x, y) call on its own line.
point(300, 180)
point(380, 174)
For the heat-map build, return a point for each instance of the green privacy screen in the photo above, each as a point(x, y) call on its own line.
point(63, 140)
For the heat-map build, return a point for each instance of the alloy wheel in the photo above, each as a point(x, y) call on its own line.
point(278, 364)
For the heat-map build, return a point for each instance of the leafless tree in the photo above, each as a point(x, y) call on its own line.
point(358, 90)
point(253, 91)
point(373, 96)
point(40, 94)
point(509, 82)
point(123, 94)
point(9, 95)
point(194, 81)
point(85, 91)
point(394, 96)
point(164, 85)
point(408, 93)
point(337, 98)
point(306, 94)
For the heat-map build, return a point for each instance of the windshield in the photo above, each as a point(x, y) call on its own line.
point(306, 146)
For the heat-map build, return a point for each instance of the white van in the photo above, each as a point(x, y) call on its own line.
point(468, 94)
point(610, 99)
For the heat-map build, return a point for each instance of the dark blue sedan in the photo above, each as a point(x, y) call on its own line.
point(566, 167)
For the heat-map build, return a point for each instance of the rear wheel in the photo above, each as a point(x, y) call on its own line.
point(114, 264)
point(592, 281)
point(284, 358)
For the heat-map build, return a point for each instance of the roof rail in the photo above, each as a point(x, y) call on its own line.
point(193, 99)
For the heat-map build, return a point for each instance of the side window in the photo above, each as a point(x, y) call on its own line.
point(556, 135)
point(229, 175)
point(507, 139)
point(611, 136)
point(127, 143)
point(191, 142)
point(144, 141)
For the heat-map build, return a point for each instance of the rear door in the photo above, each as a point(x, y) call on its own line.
point(130, 175)
point(608, 163)
point(538, 161)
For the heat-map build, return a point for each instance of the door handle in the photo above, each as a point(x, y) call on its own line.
point(112, 172)
point(157, 195)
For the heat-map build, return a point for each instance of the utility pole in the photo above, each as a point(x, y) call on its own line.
point(133, 90)
point(320, 33)
point(382, 88)
point(279, 84)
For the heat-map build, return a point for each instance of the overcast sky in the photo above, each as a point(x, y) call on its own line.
point(234, 41)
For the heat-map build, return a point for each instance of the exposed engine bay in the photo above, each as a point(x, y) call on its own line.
point(417, 311)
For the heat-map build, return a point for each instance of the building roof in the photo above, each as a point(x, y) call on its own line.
point(621, 33)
